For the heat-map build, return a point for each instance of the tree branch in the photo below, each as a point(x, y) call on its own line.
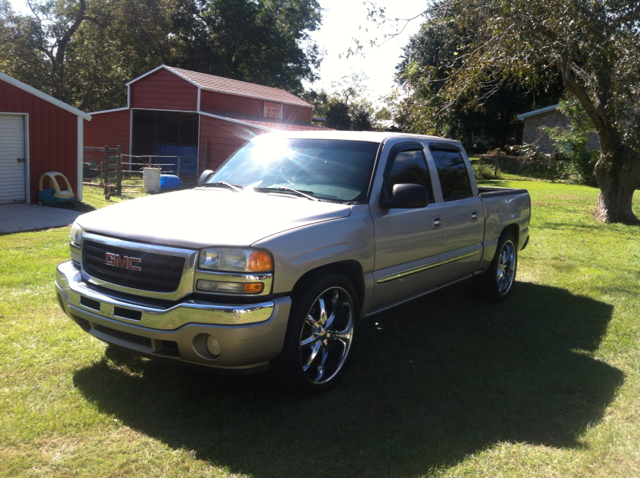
point(583, 97)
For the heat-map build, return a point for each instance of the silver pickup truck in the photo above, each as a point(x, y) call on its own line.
point(272, 260)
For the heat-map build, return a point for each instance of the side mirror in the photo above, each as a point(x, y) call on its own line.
point(206, 174)
point(406, 196)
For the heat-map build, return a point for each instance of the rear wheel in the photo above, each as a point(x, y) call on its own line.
point(319, 342)
point(496, 284)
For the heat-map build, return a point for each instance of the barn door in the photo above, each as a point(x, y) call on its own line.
point(13, 174)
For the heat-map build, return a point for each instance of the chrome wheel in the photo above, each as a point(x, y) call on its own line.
point(326, 335)
point(506, 267)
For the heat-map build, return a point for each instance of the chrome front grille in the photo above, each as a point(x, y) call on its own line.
point(137, 268)
point(158, 272)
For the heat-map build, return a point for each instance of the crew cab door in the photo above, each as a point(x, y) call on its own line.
point(409, 241)
point(462, 212)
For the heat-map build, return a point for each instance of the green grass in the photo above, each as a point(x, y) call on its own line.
point(93, 197)
point(546, 384)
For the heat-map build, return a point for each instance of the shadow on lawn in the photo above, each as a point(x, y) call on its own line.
point(432, 382)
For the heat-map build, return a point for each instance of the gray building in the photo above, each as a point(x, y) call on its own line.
point(551, 117)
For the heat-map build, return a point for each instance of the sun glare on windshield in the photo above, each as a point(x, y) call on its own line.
point(268, 150)
point(323, 168)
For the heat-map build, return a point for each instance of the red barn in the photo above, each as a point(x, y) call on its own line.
point(38, 133)
point(176, 112)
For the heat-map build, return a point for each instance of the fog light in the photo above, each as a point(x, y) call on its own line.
point(213, 346)
point(230, 287)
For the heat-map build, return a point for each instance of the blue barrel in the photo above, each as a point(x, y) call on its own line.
point(169, 182)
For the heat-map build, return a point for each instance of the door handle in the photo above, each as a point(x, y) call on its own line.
point(474, 216)
point(437, 222)
point(20, 160)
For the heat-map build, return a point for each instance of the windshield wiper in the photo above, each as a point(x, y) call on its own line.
point(291, 190)
point(223, 184)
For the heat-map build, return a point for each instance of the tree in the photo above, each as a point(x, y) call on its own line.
point(36, 46)
point(129, 38)
point(84, 51)
point(592, 43)
point(261, 41)
point(428, 60)
point(346, 108)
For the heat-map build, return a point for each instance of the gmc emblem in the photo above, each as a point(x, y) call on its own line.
point(126, 262)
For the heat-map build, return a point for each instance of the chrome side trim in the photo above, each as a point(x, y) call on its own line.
point(413, 297)
point(462, 256)
point(408, 272)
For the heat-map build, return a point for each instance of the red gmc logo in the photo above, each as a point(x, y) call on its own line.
point(126, 262)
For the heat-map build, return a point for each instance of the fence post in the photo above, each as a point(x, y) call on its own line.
point(112, 161)
point(105, 172)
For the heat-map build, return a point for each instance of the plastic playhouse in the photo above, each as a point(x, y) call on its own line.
point(54, 195)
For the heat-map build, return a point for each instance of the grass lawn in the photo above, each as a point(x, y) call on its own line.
point(546, 384)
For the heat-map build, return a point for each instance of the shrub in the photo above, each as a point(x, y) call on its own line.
point(572, 144)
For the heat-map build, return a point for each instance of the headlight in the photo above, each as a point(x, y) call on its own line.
point(230, 259)
point(76, 234)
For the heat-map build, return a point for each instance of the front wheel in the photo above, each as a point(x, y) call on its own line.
point(496, 284)
point(319, 342)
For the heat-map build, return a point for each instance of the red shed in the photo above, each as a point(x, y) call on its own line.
point(38, 133)
point(176, 112)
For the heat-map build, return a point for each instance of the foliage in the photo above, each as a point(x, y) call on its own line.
point(593, 44)
point(260, 41)
point(485, 171)
point(129, 39)
point(84, 51)
point(573, 143)
point(546, 384)
point(480, 119)
point(347, 108)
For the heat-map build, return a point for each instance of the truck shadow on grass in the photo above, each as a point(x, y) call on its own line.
point(432, 382)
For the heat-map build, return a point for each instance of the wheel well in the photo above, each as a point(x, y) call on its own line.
point(350, 269)
point(513, 229)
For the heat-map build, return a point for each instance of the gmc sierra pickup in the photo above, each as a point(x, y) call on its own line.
point(273, 259)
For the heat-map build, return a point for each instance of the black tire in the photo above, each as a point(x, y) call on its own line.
point(497, 283)
point(319, 342)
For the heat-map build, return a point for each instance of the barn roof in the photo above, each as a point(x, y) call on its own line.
point(232, 87)
point(265, 125)
point(43, 96)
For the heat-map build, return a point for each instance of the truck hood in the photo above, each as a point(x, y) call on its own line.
point(205, 217)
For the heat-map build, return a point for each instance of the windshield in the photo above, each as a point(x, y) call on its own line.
point(322, 168)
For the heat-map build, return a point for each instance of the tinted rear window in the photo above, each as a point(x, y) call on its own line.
point(453, 174)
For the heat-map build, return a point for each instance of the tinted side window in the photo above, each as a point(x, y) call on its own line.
point(452, 171)
point(410, 167)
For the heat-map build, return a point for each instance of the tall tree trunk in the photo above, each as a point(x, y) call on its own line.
point(618, 182)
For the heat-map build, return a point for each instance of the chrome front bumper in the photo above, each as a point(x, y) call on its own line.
point(249, 336)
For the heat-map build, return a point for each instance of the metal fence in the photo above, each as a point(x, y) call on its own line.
point(130, 168)
point(178, 165)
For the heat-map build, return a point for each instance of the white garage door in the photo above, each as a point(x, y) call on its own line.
point(13, 186)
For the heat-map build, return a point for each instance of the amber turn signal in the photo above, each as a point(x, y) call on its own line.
point(259, 262)
point(253, 288)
